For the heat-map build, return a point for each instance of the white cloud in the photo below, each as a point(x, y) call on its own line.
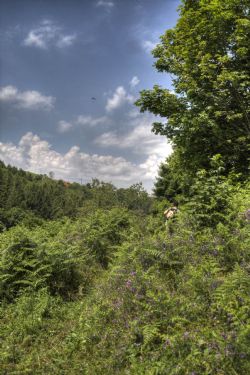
point(133, 113)
point(26, 99)
point(34, 154)
point(140, 140)
point(66, 40)
point(134, 82)
point(48, 34)
point(64, 126)
point(8, 93)
point(91, 121)
point(151, 165)
point(148, 45)
point(82, 120)
point(106, 4)
point(119, 98)
point(37, 155)
point(35, 39)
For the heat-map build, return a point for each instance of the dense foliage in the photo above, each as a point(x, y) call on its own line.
point(94, 281)
point(208, 113)
point(115, 291)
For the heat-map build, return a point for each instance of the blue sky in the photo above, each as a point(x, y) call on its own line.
point(56, 56)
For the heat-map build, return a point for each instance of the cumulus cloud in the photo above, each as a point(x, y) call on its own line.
point(148, 45)
point(134, 82)
point(135, 139)
point(119, 98)
point(151, 166)
point(90, 120)
point(37, 155)
point(140, 140)
point(33, 100)
point(64, 126)
point(46, 34)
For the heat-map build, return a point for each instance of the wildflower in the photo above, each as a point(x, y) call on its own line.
point(128, 284)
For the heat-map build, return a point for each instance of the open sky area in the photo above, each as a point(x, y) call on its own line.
point(70, 72)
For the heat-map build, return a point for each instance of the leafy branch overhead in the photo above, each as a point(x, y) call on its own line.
point(207, 54)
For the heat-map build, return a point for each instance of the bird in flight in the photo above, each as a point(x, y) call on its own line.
point(93, 98)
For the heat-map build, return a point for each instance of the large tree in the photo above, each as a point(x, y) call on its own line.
point(208, 54)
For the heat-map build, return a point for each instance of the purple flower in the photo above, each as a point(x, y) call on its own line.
point(128, 284)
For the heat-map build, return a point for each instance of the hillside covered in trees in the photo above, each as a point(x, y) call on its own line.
point(94, 281)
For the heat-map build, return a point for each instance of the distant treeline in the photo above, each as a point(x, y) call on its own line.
point(29, 196)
